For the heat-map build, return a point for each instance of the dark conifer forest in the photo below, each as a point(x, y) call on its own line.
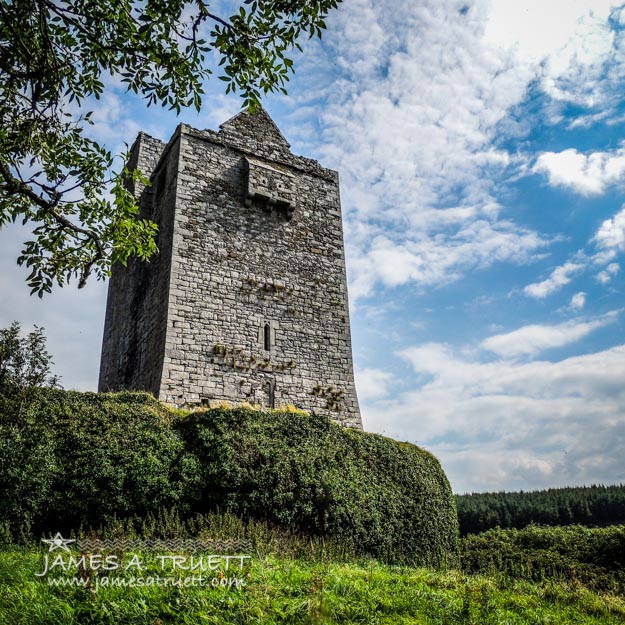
point(593, 506)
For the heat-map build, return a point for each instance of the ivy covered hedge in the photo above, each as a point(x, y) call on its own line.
point(80, 460)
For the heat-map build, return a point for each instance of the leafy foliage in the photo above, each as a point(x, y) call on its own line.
point(594, 557)
point(584, 505)
point(24, 366)
point(379, 497)
point(86, 459)
point(24, 360)
point(73, 458)
point(54, 58)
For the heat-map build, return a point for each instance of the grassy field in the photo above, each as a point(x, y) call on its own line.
point(288, 590)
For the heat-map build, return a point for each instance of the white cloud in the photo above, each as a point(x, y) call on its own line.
point(372, 383)
point(418, 165)
point(565, 44)
point(437, 260)
point(558, 30)
point(586, 174)
point(222, 109)
point(532, 339)
point(513, 425)
point(578, 301)
point(611, 234)
point(610, 240)
point(559, 277)
point(608, 273)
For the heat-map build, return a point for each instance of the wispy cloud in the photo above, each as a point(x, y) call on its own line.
point(438, 260)
point(419, 167)
point(570, 48)
point(559, 277)
point(512, 425)
point(535, 338)
point(605, 276)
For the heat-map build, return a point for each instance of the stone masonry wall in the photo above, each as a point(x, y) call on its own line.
point(137, 303)
point(256, 262)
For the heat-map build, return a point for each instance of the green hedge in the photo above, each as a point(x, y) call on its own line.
point(592, 556)
point(83, 460)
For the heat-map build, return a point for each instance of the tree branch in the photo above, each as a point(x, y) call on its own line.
point(13, 186)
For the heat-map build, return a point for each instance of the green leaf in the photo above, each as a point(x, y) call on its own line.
point(158, 56)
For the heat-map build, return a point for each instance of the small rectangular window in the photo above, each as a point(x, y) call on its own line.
point(267, 337)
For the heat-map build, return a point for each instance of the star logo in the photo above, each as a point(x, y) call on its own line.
point(58, 542)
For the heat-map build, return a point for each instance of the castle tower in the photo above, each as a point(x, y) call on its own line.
point(247, 298)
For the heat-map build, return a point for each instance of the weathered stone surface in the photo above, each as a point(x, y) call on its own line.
point(247, 298)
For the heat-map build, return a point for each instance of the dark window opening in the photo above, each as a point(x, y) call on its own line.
point(267, 337)
point(272, 393)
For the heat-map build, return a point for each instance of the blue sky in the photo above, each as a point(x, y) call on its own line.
point(481, 148)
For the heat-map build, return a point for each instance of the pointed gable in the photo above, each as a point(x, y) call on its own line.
point(254, 132)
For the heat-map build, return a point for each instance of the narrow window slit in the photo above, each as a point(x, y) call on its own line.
point(267, 337)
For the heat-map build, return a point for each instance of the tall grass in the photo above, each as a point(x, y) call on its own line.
point(306, 591)
point(296, 579)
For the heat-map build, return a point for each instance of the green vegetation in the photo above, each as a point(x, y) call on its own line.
point(294, 591)
point(24, 366)
point(70, 460)
point(579, 555)
point(583, 505)
point(55, 58)
point(24, 360)
point(339, 523)
point(292, 578)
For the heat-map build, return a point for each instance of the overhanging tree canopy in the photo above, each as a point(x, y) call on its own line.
point(54, 56)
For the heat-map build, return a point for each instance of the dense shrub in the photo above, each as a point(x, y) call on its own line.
point(383, 498)
point(592, 556)
point(81, 459)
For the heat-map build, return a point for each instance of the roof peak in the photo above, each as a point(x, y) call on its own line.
point(257, 124)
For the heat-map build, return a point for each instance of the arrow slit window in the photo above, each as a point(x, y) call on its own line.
point(267, 337)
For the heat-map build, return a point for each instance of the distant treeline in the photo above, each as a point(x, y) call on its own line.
point(583, 505)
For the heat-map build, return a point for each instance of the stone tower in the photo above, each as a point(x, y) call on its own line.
point(247, 298)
